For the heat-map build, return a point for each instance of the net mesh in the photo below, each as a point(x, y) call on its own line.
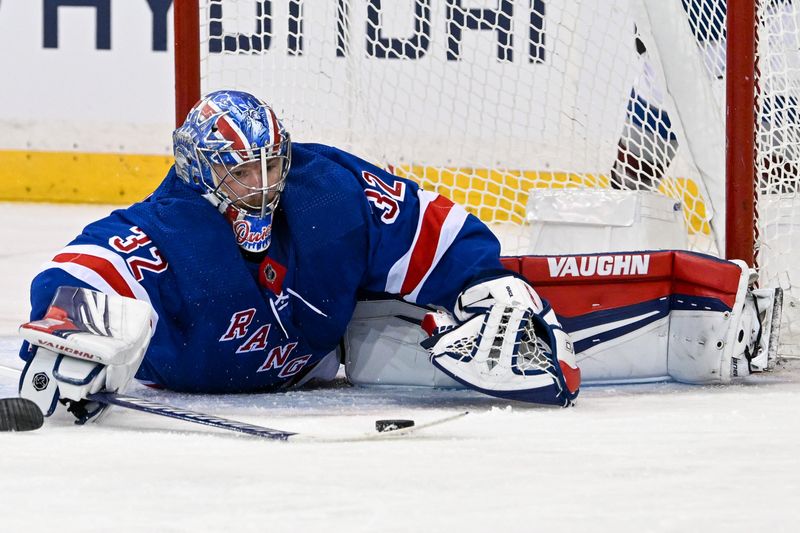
point(488, 101)
point(778, 144)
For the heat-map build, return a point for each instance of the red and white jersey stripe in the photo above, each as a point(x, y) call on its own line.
point(101, 269)
point(439, 222)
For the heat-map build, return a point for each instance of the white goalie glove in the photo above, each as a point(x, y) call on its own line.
point(505, 342)
point(87, 342)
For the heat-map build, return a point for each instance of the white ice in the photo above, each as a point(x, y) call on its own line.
point(661, 457)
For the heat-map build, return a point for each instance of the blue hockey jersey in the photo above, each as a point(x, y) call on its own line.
point(344, 229)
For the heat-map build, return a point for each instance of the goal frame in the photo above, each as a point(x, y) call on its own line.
point(740, 131)
point(740, 127)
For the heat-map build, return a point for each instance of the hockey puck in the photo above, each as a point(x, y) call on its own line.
point(19, 414)
point(391, 425)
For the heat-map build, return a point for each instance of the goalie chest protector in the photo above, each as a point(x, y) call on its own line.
point(222, 330)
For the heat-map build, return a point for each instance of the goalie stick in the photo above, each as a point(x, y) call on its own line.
point(20, 414)
point(147, 406)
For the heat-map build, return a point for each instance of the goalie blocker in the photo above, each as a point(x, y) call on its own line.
point(631, 317)
point(87, 342)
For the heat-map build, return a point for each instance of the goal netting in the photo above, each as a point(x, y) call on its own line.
point(494, 103)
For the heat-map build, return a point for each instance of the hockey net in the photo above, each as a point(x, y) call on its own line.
point(495, 103)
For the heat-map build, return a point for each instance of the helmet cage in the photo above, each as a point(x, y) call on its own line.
point(224, 135)
point(221, 168)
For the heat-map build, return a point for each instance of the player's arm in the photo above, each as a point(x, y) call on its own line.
point(92, 318)
point(423, 247)
point(501, 338)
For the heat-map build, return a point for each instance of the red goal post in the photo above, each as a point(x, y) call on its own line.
point(740, 131)
point(186, 16)
point(454, 62)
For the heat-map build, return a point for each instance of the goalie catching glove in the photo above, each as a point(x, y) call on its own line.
point(506, 342)
point(87, 342)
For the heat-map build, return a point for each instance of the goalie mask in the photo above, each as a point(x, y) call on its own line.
point(234, 150)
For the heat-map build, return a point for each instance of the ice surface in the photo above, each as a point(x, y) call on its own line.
point(660, 457)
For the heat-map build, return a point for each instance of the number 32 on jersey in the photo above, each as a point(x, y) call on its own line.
point(137, 239)
point(383, 196)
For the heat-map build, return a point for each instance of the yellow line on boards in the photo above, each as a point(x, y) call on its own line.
point(72, 177)
point(492, 195)
point(502, 195)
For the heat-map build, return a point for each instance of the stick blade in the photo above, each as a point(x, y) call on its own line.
point(19, 414)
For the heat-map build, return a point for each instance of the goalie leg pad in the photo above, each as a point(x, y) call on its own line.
point(382, 345)
point(711, 346)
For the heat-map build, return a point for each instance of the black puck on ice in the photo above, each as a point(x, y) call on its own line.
point(392, 425)
point(19, 414)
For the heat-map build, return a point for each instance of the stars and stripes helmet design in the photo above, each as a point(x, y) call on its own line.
point(233, 149)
